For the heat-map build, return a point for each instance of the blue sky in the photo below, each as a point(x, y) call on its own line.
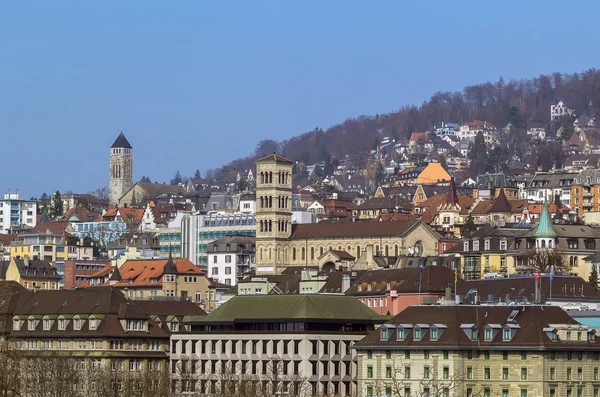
point(196, 84)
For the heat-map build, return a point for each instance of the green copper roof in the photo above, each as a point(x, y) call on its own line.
point(274, 307)
point(544, 228)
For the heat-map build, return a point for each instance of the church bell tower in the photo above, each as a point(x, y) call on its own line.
point(273, 210)
point(121, 169)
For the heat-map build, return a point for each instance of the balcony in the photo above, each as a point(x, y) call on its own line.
point(588, 194)
point(587, 204)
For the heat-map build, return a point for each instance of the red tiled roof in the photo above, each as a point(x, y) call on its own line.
point(419, 137)
point(275, 157)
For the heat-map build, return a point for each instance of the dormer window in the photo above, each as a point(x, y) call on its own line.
point(61, 324)
point(76, 324)
point(503, 244)
point(46, 324)
point(487, 334)
point(383, 334)
point(16, 324)
point(475, 245)
point(400, 334)
point(466, 246)
point(31, 324)
point(93, 323)
point(417, 333)
point(174, 326)
point(433, 335)
point(592, 335)
point(486, 244)
point(470, 330)
point(506, 334)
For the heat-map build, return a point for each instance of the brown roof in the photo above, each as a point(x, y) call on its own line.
point(170, 307)
point(342, 255)
point(431, 205)
point(83, 214)
point(501, 203)
point(394, 217)
point(455, 322)
point(55, 227)
point(129, 215)
point(564, 288)
point(385, 203)
point(435, 279)
point(485, 206)
point(351, 229)
point(275, 157)
point(419, 137)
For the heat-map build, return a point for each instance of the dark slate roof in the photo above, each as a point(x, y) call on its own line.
point(37, 269)
point(501, 204)
point(564, 288)
point(453, 322)
point(268, 308)
point(121, 142)
point(352, 229)
point(276, 158)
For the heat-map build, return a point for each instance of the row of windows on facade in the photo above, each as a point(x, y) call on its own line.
point(29, 213)
point(264, 387)
point(214, 271)
point(113, 344)
point(435, 331)
point(47, 323)
point(404, 371)
point(118, 172)
point(121, 151)
point(267, 202)
point(42, 285)
point(418, 249)
point(241, 247)
point(267, 177)
point(267, 226)
point(323, 348)
point(407, 391)
point(267, 367)
point(486, 354)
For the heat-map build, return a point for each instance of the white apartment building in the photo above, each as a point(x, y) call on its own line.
point(230, 258)
point(16, 214)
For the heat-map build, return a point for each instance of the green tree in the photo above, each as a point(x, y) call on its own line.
point(593, 280)
point(57, 204)
point(478, 155)
point(566, 132)
point(468, 228)
point(177, 179)
point(514, 116)
point(197, 174)
point(443, 163)
point(145, 179)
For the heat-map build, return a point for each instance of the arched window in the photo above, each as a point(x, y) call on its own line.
point(312, 253)
point(270, 228)
point(294, 253)
point(376, 249)
point(270, 177)
point(550, 243)
point(543, 243)
point(303, 257)
point(357, 251)
point(261, 226)
point(418, 248)
point(320, 251)
point(395, 249)
point(386, 250)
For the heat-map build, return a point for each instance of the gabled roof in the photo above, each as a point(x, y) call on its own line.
point(434, 279)
point(36, 269)
point(141, 273)
point(501, 203)
point(276, 158)
point(121, 142)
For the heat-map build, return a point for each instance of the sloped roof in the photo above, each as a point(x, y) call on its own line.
point(242, 308)
point(275, 157)
point(139, 273)
point(158, 189)
point(121, 142)
point(385, 203)
point(501, 203)
point(351, 229)
point(37, 269)
point(531, 321)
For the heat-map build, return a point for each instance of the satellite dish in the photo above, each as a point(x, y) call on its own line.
point(411, 250)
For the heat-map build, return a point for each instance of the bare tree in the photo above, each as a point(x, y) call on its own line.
point(101, 193)
point(542, 260)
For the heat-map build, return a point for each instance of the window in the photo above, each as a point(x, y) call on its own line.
point(369, 371)
point(214, 259)
point(506, 334)
point(469, 372)
point(433, 335)
point(552, 373)
point(426, 355)
point(388, 372)
point(369, 391)
point(523, 392)
point(227, 258)
point(523, 355)
point(93, 323)
point(446, 355)
point(475, 245)
point(486, 244)
point(400, 334)
point(46, 324)
point(407, 355)
point(446, 372)
point(569, 374)
point(215, 270)
point(486, 373)
point(417, 333)
point(524, 373)
point(579, 373)
point(427, 372)
point(487, 334)
point(407, 372)
point(31, 324)
point(504, 373)
point(596, 373)
point(228, 270)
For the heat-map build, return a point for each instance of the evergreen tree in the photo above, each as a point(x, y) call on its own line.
point(478, 155)
point(177, 179)
point(593, 280)
point(197, 174)
point(57, 204)
point(145, 179)
point(443, 163)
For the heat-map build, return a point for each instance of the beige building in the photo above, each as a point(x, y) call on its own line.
point(295, 345)
point(468, 351)
point(279, 244)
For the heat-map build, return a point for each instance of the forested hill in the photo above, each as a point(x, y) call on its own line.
point(525, 103)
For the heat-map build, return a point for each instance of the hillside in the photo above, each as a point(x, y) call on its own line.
point(524, 103)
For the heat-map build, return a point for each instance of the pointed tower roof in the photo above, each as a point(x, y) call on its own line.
point(134, 203)
point(544, 228)
point(501, 203)
point(452, 196)
point(170, 267)
point(45, 218)
point(116, 274)
point(121, 142)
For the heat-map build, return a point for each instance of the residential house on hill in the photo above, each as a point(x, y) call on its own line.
point(333, 209)
point(377, 206)
point(142, 192)
point(32, 274)
point(470, 130)
point(550, 187)
point(132, 217)
point(559, 109)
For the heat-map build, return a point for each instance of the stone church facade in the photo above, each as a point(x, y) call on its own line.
point(280, 244)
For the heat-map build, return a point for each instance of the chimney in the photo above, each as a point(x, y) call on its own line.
point(26, 260)
point(345, 283)
point(369, 258)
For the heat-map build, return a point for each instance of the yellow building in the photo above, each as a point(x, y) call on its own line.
point(47, 246)
point(279, 245)
point(585, 192)
point(463, 350)
point(30, 273)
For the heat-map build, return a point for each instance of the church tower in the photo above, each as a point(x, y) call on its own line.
point(121, 169)
point(273, 211)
